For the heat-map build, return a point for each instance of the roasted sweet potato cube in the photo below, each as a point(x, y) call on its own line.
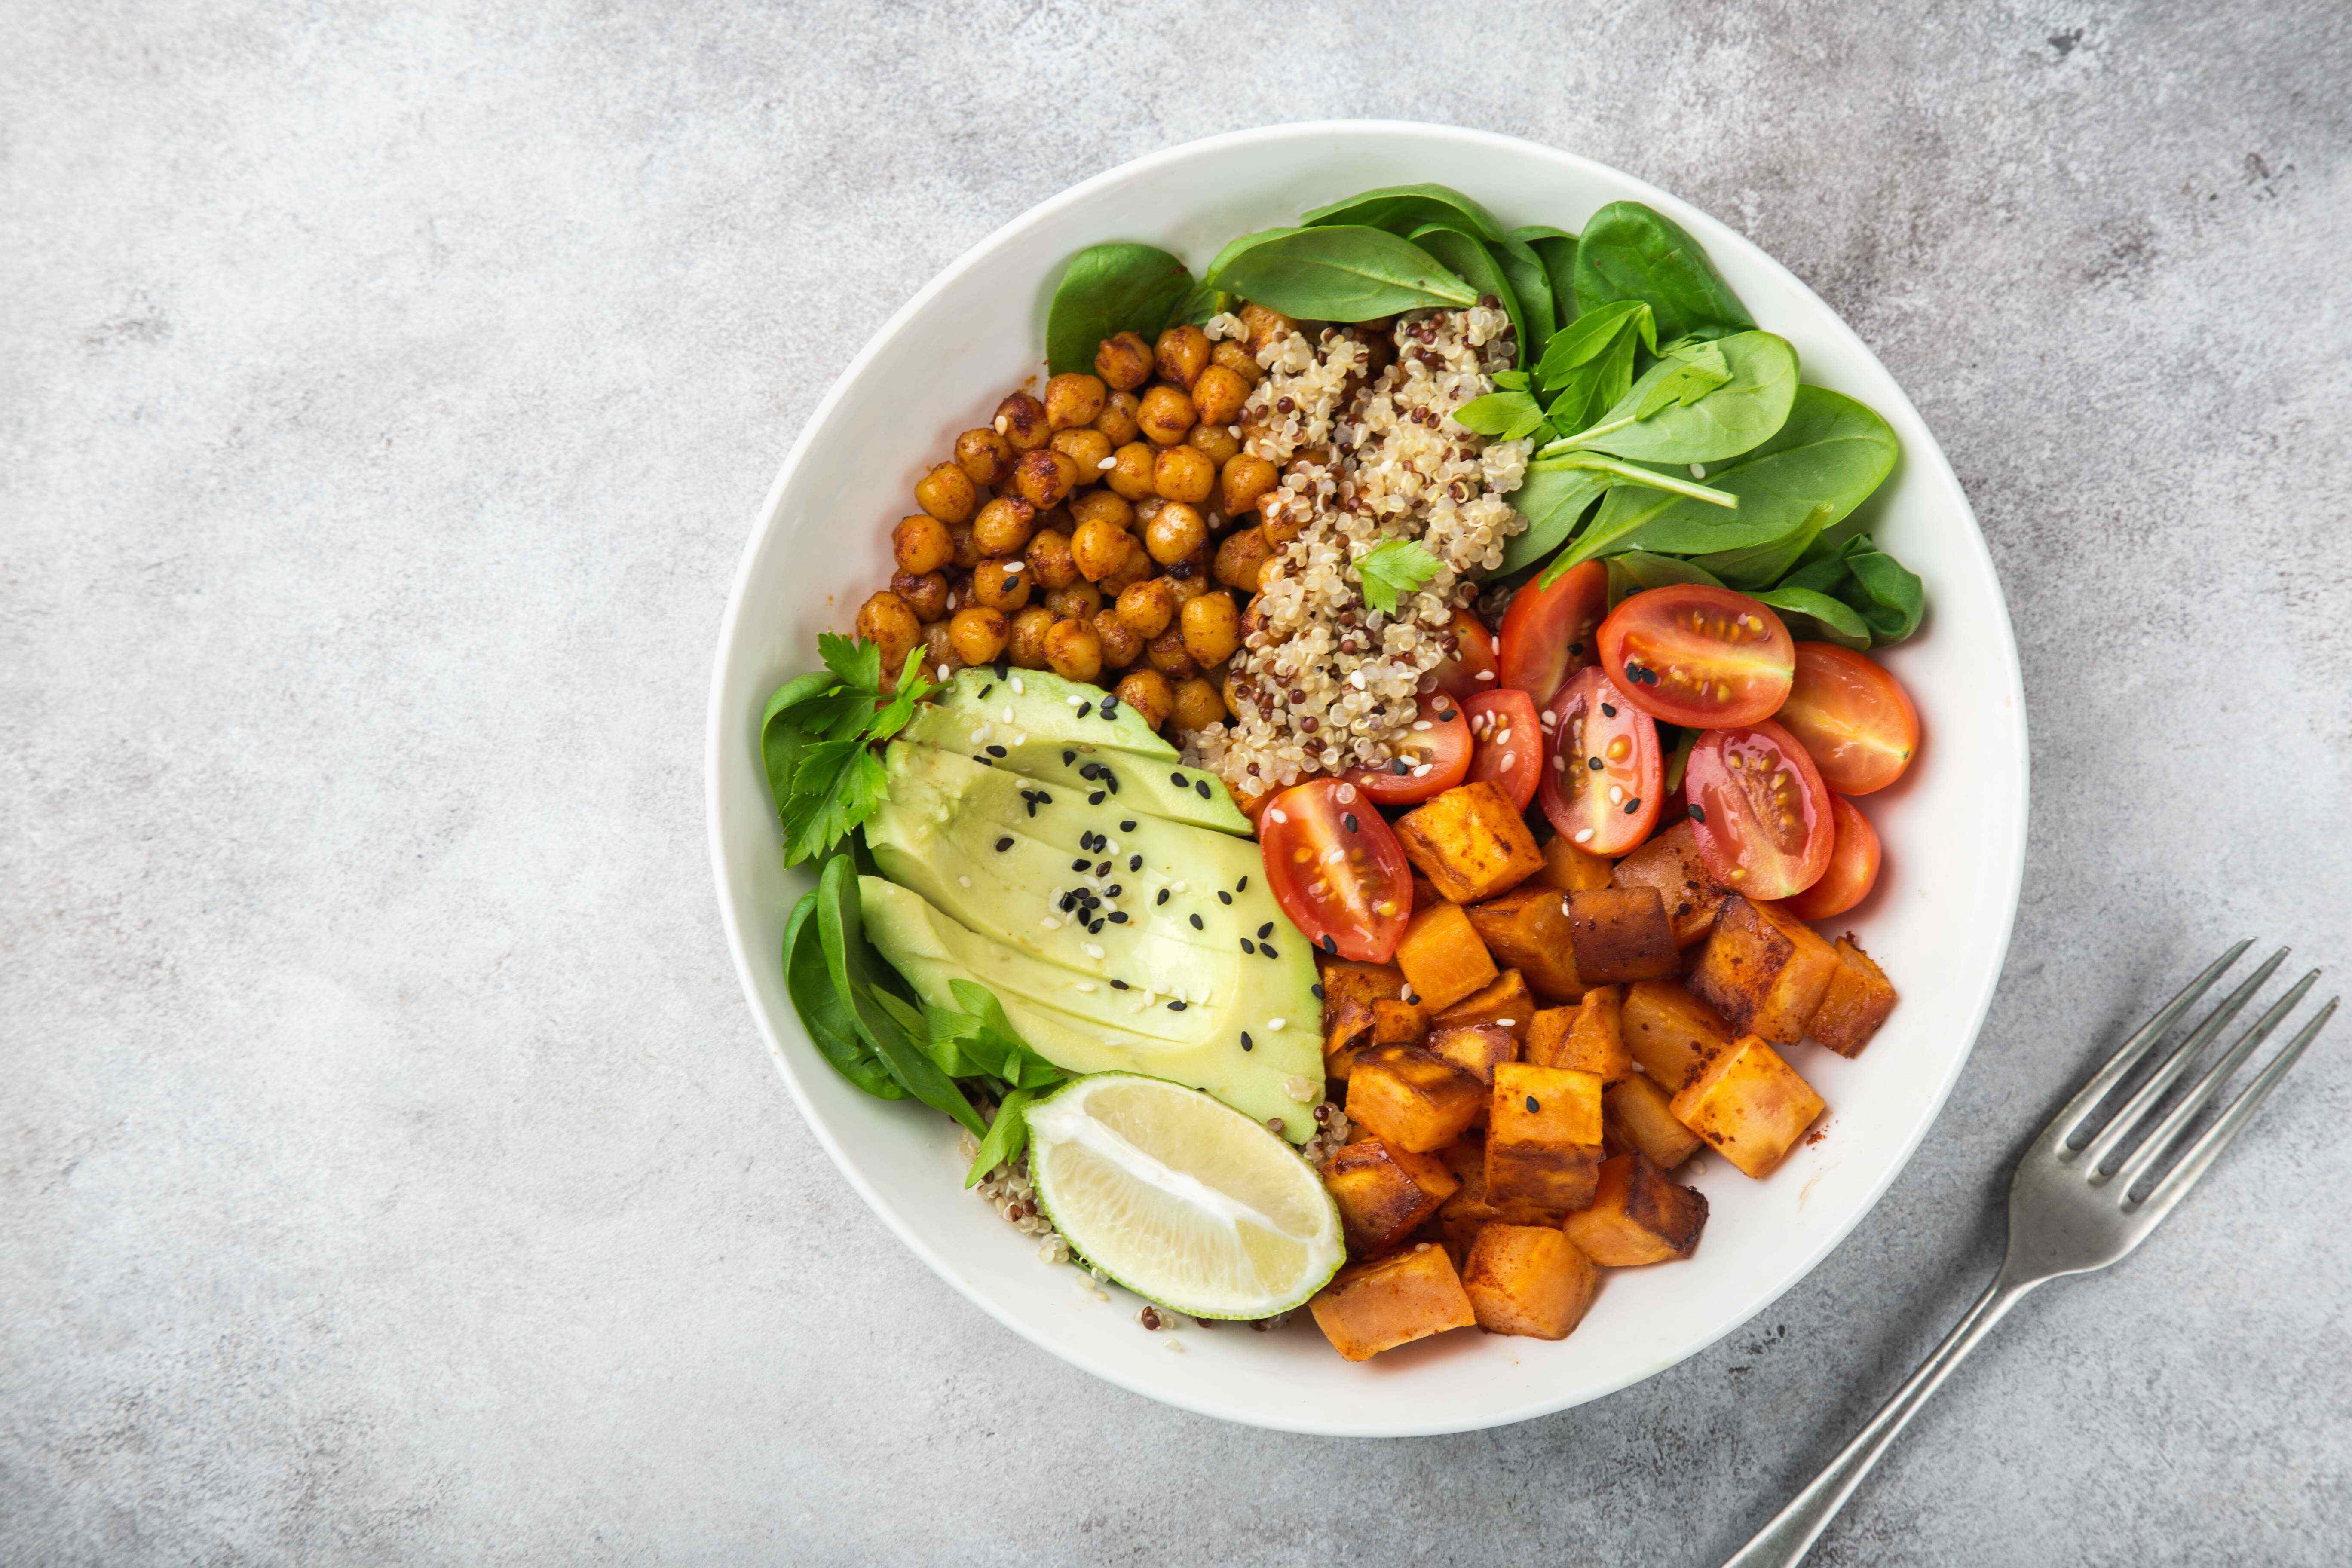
point(1382, 1193)
point(1620, 933)
point(1471, 842)
point(1856, 1003)
point(1670, 863)
point(1527, 928)
point(1398, 1023)
point(1637, 1217)
point(1442, 957)
point(1474, 1047)
point(1345, 981)
point(1529, 1279)
point(1543, 1138)
point(1588, 1036)
point(1410, 1099)
point(1425, 893)
point(1749, 1104)
point(1503, 1002)
point(1764, 970)
point(1384, 1303)
point(1571, 869)
point(1638, 1116)
point(1348, 1037)
point(1671, 1033)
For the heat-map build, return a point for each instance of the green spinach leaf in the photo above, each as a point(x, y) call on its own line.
point(1637, 570)
point(1722, 421)
point(1817, 613)
point(1470, 261)
point(856, 981)
point(1557, 492)
point(1531, 285)
point(823, 1012)
point(1401, 209)
point(1886, 594)
point(1008, 1135)
point(1557, 249)
point(1628, 251)
point(1340, 274)
point(1107, 289)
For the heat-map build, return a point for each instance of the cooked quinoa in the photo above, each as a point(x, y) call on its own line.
point(1360, 427)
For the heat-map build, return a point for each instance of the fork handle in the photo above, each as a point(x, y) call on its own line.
point(1785, 1541)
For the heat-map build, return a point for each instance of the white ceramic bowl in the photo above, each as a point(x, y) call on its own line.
point(1954, 829)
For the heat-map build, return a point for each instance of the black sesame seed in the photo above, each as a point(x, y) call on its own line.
point(1196, 923)
point(1327, 945)
point(1111, 779)
point(1102, 868)
point(1533, 1105)
point(1201, 788)
point(1119, 984)
point(1632, 806)
point(1247, 1044)
point(1176, 1006)
point(1248, 946)
point(1127, 825)
point(984, 762)
point(1116, 917)
point(986, 690)
point(1162, 897)
point(1031, 802)
point(1094, 797)
point(1317, 989)
point(1399, 766)
point(1069, 757)
point(1224, 896)
point(1265, 931)
point(1176, 779)
point(1110, 707)
point(1113, 891)
point(1595, 764)
point(1084, 709)
point(1069, 901)
point(1094, 928)
point(1135, 862)
point(1267, 947)
point(1698, 813)
point(1003, 844)
point(1003, 669)
point(1348, 819)
point(1079, 864)
point(1242, 886)
point(1045, 799)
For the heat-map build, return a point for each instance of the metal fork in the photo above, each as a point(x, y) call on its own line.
point(2085, 1194)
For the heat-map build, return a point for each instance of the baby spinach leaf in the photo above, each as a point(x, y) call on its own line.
point(1722, 421)
point(1340, 274)
point(1637, 570)
point(1693, 372)
point(1401, 209)
point(1532, 286)
point(1476, 265)
point(823, 1012)
point(1008, 1135)
point(1107, 289)
point(1508, 416)
point(1762, 565)
point(1205, 305)
point(1586, 339)
point(1555, 493)
point(856, 981)
point(1557, 249)
point(1887, 596)
point(1628, 251)
point(1818, 613)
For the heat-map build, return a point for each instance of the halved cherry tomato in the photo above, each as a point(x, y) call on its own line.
point(1471, 670)
point(1602, 781)
point(1759, 811)
point(1853, 867)
point(1707, 658)
point(1337, 869)
point(1548, 633)
point(1855, 720)
point(1432, 758)
point(1508, 742)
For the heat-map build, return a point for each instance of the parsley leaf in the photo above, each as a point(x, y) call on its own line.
point(818, 739)
point(1399, 566)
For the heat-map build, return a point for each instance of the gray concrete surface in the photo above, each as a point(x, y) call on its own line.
point(388, 1167)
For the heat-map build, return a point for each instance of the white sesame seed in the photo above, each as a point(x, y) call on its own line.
point(963, 881)
point(943, 672)
point(1698, 471)
point(1008, 712)
point(1017, 688)
point(1107, 463)
point(1002, 422)
point(1484, 675)
point(1273, 1025)
point(1085, 985)
point(1050, 923)
point(1506, 1023)
point(1075, 702)
point(1013, 567)
point(1176, 887)
point(1093, 950)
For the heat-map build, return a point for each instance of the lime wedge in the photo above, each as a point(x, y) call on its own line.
point(1184, 1201)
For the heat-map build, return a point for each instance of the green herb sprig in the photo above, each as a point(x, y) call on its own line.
point(817, 741)
point(1397, 567)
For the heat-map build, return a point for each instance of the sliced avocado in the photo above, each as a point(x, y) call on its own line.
point(1056, 732)
point(1086, 1027)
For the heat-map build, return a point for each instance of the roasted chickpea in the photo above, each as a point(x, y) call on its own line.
point(1044, 478)
point(1197, 705)
point(967, 553)
point(947, 493)
point(1179, 473)
point(1234, 357)
point(1148, 607)
point(985, 455)
point(1000, 584)
point(1087, 448)
point(1120, 646)
point(1282, 515)
point(1149, 694)
point(1266, 327)
point(1215, 442)
point(1188, 584)
point(940, 657)
point(1021, 420)
point(1073, 399)
point(885, 621)
point(926, 593)
point(920, 543)
point(1165, 415)
point(1004, 526)
point(1168, 655)
point(1051, 565)
point(1110, 505)
point(1129, 473)
point(1079, 601)
point(1101, 548)
point(1241, 556)
point(1175, 533)
point(1219, 395)
point(1025, 644)
point(1213, 628)
point(1243, 481)
point(979, 634)
point(1117, 418)
point(1133, 569)
point(1073, 650)
point(1124, 361)
point(1182, 354)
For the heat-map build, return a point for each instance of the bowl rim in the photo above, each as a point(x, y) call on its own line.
point(2014, 790)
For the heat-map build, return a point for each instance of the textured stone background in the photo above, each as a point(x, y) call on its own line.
point(388, 1166)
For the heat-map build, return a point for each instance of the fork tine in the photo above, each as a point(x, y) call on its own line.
point(2069, 1121)
point(2152, 1148)
point(2168, 1072)
point(2175, 1183)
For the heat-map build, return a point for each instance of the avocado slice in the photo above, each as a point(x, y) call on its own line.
point(1084, 1025)
point(1054, 730)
